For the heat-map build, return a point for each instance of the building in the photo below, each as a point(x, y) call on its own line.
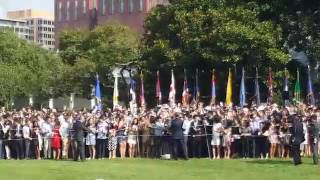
point(41, 25)
point(87, 14)
point(18, 26)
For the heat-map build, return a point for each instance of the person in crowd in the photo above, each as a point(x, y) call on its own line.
point(8, 136)
point(65, 125)
point(91, 138)
point(177, 137)
point(35, 134)
point(227, 141)
point(17, 138)
point(305, 146)
point(217, 130)
point(158, 136)
point(27, 138)
point(77, 136)
point(197, 132)
point(245, 131)
point(102, 132)
point(132, 137)
point(56, 141)
point(46, 131)
point(186, 129)
point(112, 141)
point(297, 138)
point(145, 131)
point(274, 139)
point(314, 138)
point(122, 136)
point(1, 138)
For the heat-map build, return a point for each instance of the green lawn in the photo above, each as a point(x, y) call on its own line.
point(194, 169)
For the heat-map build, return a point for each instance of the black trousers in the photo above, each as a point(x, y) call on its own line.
point(296, 153)
point(157, 150)
point(101, 148)
point(197, 144)
point(78, 149)
point(176, 144)
point(27, 145)
point(18, 148)
point(245, 141)
point(314, 149)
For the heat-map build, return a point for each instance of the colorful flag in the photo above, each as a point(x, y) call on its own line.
point(297, 89)
point(98, 94)
point(270, 87)
point(115, 93)
point(142, 100)
point(185, 93)
point(172, 93)
point(213, 88)
point(242, 90)
point(310, 96)
point(229, 89)
point(197, 98)
point(257, 88)
point(158, 89)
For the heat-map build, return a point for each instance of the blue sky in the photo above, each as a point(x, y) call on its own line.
point(10, 5)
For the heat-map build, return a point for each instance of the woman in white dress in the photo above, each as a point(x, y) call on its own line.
point(91, 138)
point(132, 137)
point(217, 130)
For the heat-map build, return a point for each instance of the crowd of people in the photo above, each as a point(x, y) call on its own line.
point(196, 131)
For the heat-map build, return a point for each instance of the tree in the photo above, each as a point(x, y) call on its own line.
point(96, 51)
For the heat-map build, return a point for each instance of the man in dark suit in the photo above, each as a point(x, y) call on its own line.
point(314, 138)
point(297, 138)
point(177, 137)
point(77, 136)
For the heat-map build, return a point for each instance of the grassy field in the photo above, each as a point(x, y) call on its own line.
point(195, 169)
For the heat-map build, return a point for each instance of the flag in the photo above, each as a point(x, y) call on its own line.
point(172, 93)
point(133, 96)
point(242, 90)
point(197, 98)
point(158, 89)
point(98, 94)
point(142, 100)
point(229, 89)
point(297, 89)
point(213, 88)
point(270, 87)
point(310, 96)
point(257, 88)
point(285, 87)
point(185, 93)
point(115, 93)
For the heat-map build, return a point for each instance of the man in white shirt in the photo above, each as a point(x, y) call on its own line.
point(26, 131)
point(186, 129)
point(46, 130)
point(65, 135)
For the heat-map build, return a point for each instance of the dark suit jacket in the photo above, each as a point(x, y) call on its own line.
point(78, 130)
point(297, 132)
point(176, 129)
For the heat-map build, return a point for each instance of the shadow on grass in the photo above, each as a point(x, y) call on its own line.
point(270, 162)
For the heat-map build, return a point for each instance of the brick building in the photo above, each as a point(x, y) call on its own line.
point(89, 13)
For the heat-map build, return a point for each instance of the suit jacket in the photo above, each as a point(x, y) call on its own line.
point(297, 132)
point(78, 130)
point(176, 129)
point(315, 130)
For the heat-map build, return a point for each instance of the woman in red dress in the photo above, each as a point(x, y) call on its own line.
point(56, 141)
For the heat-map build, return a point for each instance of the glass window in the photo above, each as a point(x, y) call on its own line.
point(60, 12)
point(68, 11)
point(103, 7)
point(130, 5)
point(141, 5)
point(121, 6)
point(111, 6)
point(76, 10)
point(84, 5)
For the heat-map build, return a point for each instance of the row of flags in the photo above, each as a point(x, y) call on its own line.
point(186, 96)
